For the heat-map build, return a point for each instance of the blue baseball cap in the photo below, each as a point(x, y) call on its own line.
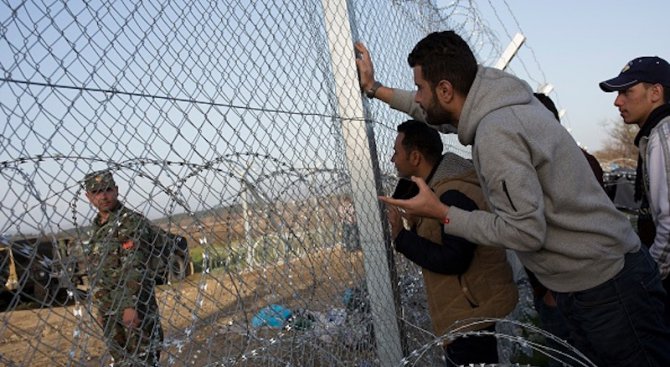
point(646, 69)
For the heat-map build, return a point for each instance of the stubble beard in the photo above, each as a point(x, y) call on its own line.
point(436, 115)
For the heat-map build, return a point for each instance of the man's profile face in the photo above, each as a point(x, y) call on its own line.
point(104, 200)
point(636, 103)
point(427, 99)
point(400, 158)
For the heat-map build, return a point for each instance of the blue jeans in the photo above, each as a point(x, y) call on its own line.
point(621, 322)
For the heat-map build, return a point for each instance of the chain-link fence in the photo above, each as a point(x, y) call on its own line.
point(238, 130)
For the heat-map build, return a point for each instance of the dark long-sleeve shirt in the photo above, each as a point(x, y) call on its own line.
point(451, 257)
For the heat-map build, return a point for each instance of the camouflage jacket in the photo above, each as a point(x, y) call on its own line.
point(118, 254)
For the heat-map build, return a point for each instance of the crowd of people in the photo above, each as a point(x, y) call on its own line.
point(542, 200)
point(528, 188)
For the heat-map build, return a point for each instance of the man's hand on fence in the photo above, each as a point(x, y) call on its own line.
point(131, 318)
point(395, 220)
point(366, 71)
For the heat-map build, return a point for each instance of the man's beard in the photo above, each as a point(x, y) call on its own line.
point(435, 115)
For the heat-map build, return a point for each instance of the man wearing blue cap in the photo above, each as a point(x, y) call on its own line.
point(643, 88)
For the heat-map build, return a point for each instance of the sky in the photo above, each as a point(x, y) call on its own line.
point(576, 44)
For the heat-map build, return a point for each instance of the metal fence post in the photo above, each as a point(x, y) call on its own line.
point(360, 158)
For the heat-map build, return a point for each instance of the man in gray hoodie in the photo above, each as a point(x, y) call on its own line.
point(545, 202)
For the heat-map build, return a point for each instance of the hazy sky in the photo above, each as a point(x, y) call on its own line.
point(578, 44)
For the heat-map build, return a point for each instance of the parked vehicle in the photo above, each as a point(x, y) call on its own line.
point(41, 269)
point(620, 187)
point(38, 269)
point(173, 260)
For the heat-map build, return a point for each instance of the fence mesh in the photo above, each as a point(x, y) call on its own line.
point(220, 124)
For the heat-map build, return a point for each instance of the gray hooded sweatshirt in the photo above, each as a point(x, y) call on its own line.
point(545, 202)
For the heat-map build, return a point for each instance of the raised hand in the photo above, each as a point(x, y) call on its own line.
point(424, 204)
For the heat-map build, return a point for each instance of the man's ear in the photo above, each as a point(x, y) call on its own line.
point(657, 93)
point(415, 157)
point(444, 91)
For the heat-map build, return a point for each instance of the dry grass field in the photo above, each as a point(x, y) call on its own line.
point(205, 317)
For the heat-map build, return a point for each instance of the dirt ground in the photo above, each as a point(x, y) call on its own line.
point(206, 318)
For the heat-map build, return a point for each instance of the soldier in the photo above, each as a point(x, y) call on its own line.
point(122, 285)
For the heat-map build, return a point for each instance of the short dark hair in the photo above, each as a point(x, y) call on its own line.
point(419, 136)
point(445, 56)
point(547, 102)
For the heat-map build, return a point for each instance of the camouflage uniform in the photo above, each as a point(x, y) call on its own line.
point(118, 253)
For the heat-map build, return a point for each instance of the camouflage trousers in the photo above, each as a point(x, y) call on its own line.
point(133, 347)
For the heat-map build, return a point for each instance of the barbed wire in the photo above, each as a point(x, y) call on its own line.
point(220, 124)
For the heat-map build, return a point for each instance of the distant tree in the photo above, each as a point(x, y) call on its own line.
point(619, 146)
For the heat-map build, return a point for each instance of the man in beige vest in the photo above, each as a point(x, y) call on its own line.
point(463, 280)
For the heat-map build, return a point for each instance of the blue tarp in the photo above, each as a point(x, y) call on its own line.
point(274, 316)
